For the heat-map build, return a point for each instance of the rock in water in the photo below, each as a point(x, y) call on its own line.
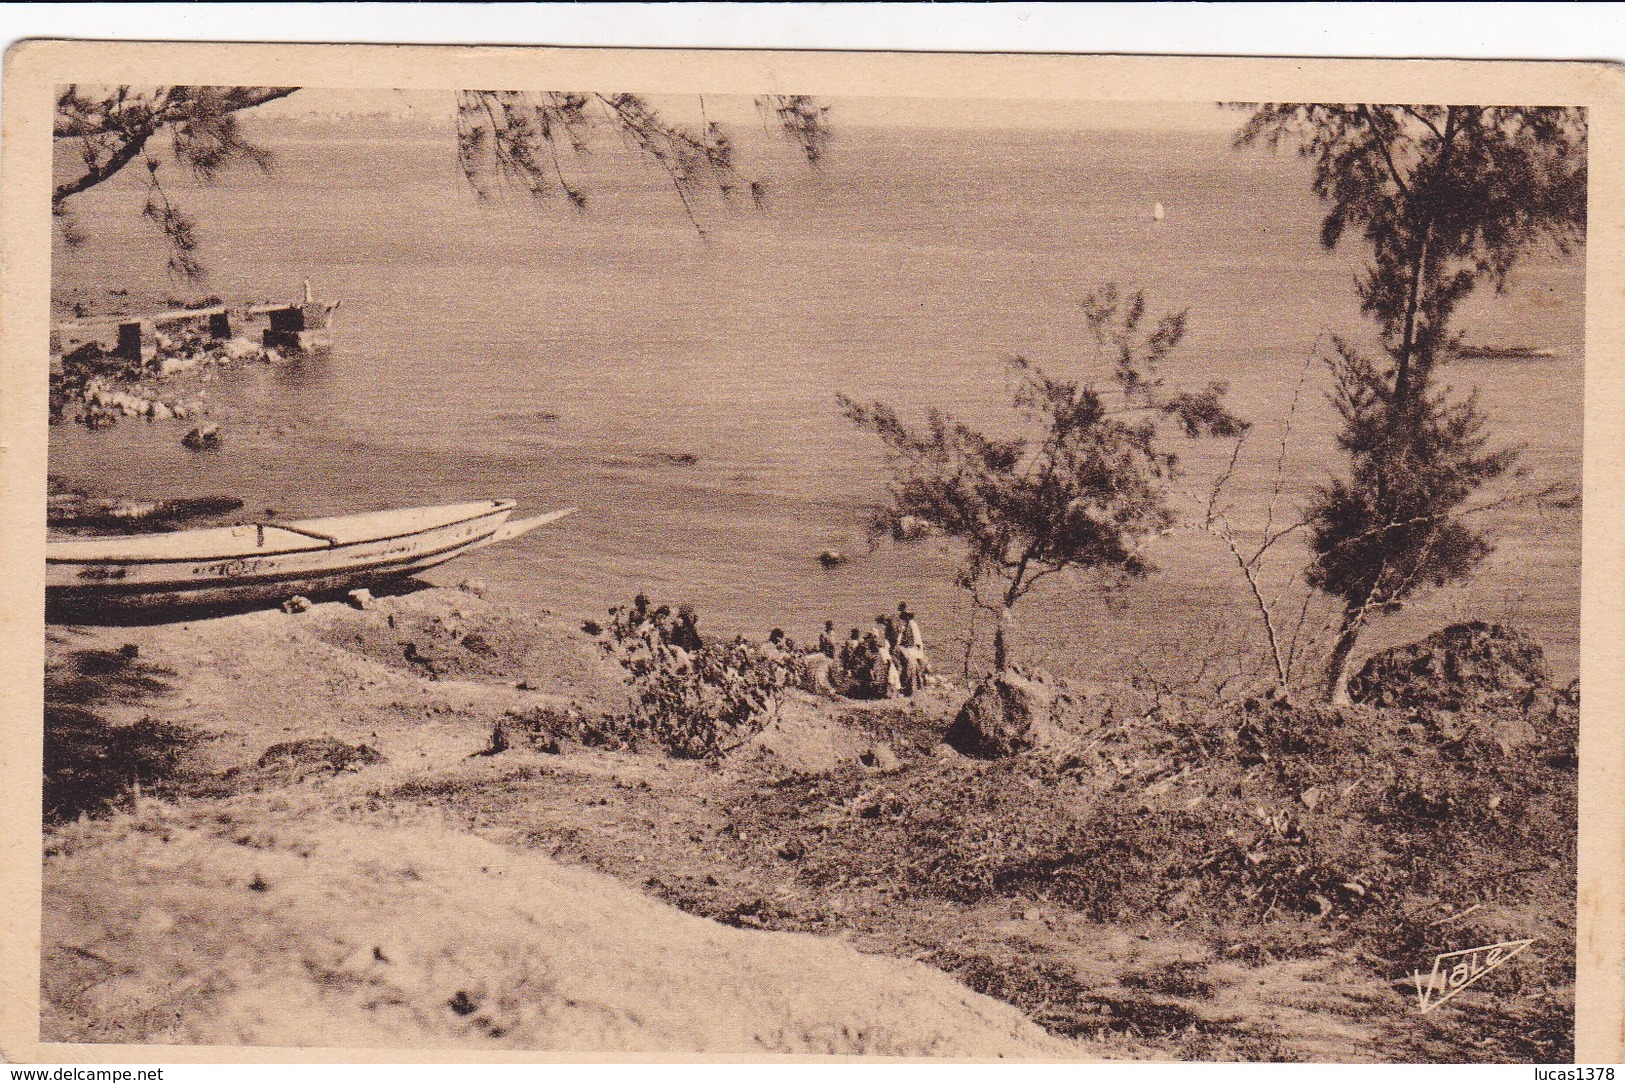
point(1463, 667)
point(204, 436)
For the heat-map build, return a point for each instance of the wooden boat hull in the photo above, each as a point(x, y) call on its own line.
point(265, 562)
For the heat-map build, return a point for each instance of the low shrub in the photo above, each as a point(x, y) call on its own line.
point(693, 699)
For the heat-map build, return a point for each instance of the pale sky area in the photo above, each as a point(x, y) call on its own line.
point(860, 111)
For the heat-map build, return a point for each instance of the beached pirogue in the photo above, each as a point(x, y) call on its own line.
point(271, 561)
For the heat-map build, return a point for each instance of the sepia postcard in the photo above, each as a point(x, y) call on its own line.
point(541, 554)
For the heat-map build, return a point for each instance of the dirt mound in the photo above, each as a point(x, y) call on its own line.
point(446, 634)
point(314, 754)
point(325, 933)
point(811, 734)
point(1463, 667)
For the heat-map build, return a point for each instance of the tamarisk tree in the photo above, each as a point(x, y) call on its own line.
point(520, 140)
point(1445, 198)
point(1084, 487)
point(96, 134)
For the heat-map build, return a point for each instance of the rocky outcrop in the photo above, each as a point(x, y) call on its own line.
point(1015, 711)
point(1465, 667)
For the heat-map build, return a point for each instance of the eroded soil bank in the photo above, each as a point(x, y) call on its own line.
point(328, 847)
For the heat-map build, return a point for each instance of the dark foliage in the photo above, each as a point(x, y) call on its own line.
point(97, 132)
point(1084, 488)
point(91, 764)
point(695, 700)
point(1389, 529)
point(1446, 198)
point(725, 695)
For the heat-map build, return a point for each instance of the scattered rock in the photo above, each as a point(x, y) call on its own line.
point(1510, 730)
point(476, 587)
point(362, 598)
point(832, 558)
point(240, 348)
point(297, 604)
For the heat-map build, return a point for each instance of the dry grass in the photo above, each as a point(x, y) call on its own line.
point(1221, 884)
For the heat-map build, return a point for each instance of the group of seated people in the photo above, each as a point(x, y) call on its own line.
point(888, 660)
point(667, 638)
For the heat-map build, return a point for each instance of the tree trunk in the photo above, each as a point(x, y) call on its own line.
point(999, 656)
point(1337, 666)
point(1001, 631)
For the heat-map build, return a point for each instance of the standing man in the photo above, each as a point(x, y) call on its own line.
point(911, 645)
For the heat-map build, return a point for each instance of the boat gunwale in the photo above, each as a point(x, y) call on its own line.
point(501, 506)
point(376, 569)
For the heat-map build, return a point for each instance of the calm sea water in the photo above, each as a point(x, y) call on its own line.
point(556, 358)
